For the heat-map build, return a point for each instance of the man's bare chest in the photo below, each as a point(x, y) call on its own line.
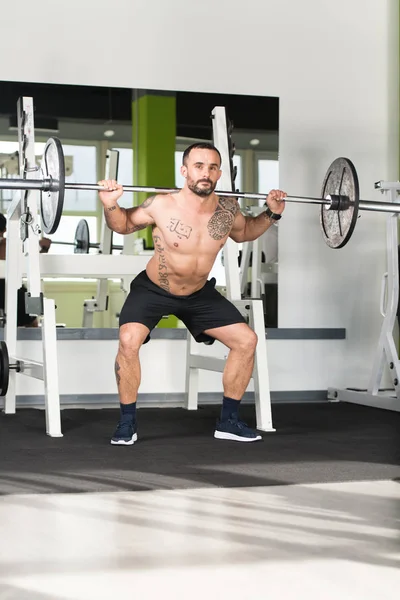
point(193, 233)
point(196, 228)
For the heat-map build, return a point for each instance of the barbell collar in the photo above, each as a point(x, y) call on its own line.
point(338, 202)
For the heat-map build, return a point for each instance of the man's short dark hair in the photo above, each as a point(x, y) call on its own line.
point(3, 222)
point(201, 146)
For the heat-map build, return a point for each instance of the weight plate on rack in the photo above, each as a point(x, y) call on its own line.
point(52, 201)
point(82, 238)
point(338, 225)
point(4, 369)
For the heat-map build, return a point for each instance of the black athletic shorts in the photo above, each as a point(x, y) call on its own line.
point(147, 303)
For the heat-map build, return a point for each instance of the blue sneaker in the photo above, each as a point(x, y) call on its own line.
point(233, 429)
point(126, 432)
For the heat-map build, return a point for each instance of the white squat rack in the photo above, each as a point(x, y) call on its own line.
point(24, 260)
point(21, 243)
point(386, 353)
point(252, 309)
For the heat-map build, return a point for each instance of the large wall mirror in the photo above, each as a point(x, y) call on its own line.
point(90, 120)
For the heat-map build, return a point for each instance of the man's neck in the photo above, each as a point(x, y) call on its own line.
point(201, 203)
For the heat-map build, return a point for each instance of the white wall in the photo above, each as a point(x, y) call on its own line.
point(334, 66)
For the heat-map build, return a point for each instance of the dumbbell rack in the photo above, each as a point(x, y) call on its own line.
point(22, 246)
point(386, 352)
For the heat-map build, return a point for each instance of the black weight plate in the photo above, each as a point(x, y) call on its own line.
point(82, 239)
point(4, 369)
point(338, 225)
point(53, 168)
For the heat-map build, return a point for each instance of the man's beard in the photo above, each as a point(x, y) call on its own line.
point(200, 191)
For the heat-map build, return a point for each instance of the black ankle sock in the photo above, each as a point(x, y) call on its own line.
point(128, 409)
point(229, 407)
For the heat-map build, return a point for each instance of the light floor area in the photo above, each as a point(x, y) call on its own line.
point(325, 541)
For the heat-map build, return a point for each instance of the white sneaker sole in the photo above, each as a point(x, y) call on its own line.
point(222, 435)
point(123, 443)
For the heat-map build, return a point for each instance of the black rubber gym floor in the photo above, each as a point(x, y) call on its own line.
point(314, 443)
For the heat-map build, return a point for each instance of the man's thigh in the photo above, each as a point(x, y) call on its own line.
point(211, 311)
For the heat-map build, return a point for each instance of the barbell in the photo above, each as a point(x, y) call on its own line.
point(5, 367)
point(339, 201)
point(82, 243)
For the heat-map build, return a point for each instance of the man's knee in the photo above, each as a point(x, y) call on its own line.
point(247, 341)
point(251, 340)
point(131, 337)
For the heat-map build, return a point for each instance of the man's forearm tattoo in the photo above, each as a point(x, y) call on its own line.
point(162, 264)
point(108, 216)
point(135, 228)
point(222, 220)
point(117, 369)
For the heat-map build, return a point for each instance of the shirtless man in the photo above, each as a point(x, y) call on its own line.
point(189, 229)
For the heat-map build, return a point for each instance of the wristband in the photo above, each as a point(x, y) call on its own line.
point(272, 215)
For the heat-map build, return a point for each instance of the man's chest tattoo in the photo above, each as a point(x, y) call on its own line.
point(181, 230)
point(222, 220)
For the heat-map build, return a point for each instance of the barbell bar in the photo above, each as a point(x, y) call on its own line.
point(339, 201)
point(47, 185)
point(82, 243)
point(78, 247)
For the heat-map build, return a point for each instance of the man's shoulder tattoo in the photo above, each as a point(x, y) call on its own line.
point(222, 220)
point(148, 201)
